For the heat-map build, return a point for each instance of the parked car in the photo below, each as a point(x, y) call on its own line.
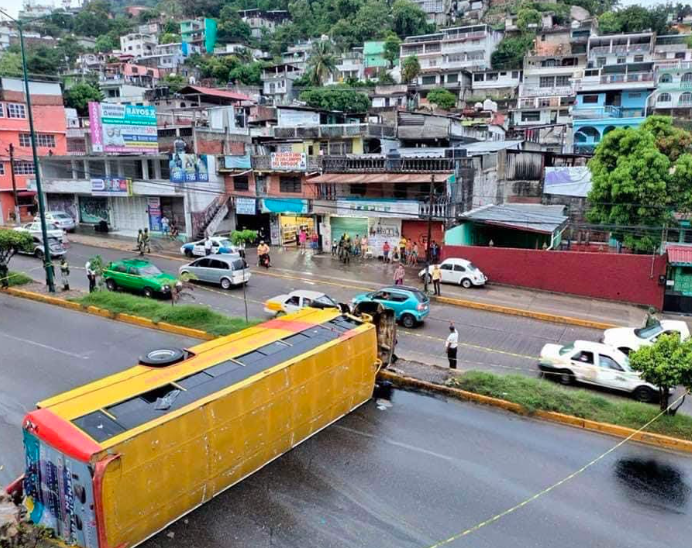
point(629, 339)
point(219, 244)
point(295, 300)
point(62, 220)
point(54, 245)
point(597, 364)
point(458, 271)
point(410, 305)
point(224, 270)
point(34, 228)
point(138, 275)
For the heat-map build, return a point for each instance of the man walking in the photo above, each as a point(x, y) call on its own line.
point(436, 278)
point(451, 345)
point(91, 276)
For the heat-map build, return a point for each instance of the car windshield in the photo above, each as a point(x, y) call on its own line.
point(568, 349)
point(422, 297)
point(225, 243)
point(325, 301)
point(149, 270)
point(648, 332)
point(238, 264)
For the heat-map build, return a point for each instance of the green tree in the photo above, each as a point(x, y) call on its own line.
point(148, 15)
point(371, 22)
point(410, 69)
point(528, 17)
point(170, 38)
point(10, 64)
point(321, 63)
point(175, 82)
point(384, 78)
point(105, 44)
point(249, 74)
point(392, 47)
point(408, 19)
point(639, 179)
point(510, 52)
point(442, 98)
point(80, 95)
point(666, 364)
point(336, 98)
point(609, 23)
point(232, 28)
point(11, 242)
point(93, 19)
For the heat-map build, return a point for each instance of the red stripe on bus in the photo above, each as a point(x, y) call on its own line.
point(60, 434)
point(289, 325)
point(99, 473)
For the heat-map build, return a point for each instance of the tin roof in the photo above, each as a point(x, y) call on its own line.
point(679, 255)
point(545, 219)
point(388, 178)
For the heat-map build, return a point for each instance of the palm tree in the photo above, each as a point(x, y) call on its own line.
point(322, 62)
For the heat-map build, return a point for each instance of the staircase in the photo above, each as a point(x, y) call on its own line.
point(207, 221)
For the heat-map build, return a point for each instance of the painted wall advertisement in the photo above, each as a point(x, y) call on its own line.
point(245, 206)
point(189, 168)
point(93, 209)
point(154, 210)
point(381, 231)
point(111, 186)
point(123, 128)
point(373, 208)
point(289, 161)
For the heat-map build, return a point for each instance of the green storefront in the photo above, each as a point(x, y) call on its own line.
point(678, 297)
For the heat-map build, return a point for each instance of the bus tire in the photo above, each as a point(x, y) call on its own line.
point(161, 357)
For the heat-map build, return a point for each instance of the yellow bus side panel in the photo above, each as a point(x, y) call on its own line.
point(170, 469)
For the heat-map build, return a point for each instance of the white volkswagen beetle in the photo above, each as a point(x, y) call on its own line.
point(595, 363)
point(629, 339)
point(460, 272)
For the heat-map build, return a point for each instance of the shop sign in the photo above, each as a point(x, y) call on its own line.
point(123, 128)
point(154, 210)
point(111, 186)
point(289, 161)
point(284, 205)
point(374, 208)
point(188, 168)
point(245, 206)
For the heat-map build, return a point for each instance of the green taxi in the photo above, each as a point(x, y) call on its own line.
point(138, 275)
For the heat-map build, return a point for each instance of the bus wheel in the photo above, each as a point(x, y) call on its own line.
point(162, 357)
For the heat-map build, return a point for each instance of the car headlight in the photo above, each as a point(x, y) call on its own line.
point(166, 288)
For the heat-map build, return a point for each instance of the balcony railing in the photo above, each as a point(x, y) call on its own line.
point(334, 131)
point(622, 49)
point(594, 113)
point(537, 91)
point(620, 78)
point(351, 164)
point(440, 208)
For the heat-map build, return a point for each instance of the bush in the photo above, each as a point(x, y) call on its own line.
point(541, 395)
point(18, 278)
point(192, 316)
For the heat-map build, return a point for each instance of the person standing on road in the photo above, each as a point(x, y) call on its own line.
point(65, 274)
point(140, 242)
point(385, 252)
point(208, 244)
point(302, 238)
point(91, 276)
point(451, 345)
point(165, 226)
point(399, 274)
point(402, 248)
point(436, 278)
point(145, 241)
point(414, 255)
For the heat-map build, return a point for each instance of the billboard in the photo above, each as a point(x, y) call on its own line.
point(111, 186)
point(289, 161)
point(188, 168)
point(123, 128)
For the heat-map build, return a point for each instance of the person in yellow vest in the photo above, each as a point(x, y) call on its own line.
point(436, 278)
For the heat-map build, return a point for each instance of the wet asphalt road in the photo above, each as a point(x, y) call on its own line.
point(404, 476)
point(489, 341)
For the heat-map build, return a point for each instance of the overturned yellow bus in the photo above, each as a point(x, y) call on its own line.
point(113, 462)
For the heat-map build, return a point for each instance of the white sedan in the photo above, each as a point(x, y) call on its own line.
point(219, 244)
point(34, 229)
point(295, 300)
point(595, 363)
point(628, 339)
point(460, 272)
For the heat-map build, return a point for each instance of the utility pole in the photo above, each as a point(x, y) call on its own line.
point(427, 247)
point(17, 219)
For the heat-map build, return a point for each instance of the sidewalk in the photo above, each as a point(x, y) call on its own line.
point(372, 273)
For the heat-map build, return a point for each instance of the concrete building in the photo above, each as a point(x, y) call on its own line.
point(277, 83)
point(138, 44)
point(200, 32)
point(437, 11)
point(264, 20)
point(50, 123)
point(373, 58)
point(350, 66)
point(168, 58)
point(493, 84)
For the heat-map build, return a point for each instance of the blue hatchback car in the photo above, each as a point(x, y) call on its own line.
point(410, 305)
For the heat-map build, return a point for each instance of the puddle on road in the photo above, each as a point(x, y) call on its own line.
point(653, 483)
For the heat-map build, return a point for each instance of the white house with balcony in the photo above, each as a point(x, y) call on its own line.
point(350, 65)
point(669, 50)
point(673, 94)
point(495, 84)
point(138, 44)
point(467, 47)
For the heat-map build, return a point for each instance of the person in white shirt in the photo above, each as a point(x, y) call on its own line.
point(451, 345)
point(208, 245)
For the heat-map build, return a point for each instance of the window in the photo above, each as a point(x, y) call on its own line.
point(241, 182)
point(664, 98)
point(532, 116)
point(24, 168)
point(289, 184)
point(562, 81)
point(546, 81)
point(446, 267)
point(220, 265)
point(686, 99)
point(686, 78)
point(590, 99)
point(459, 268)
point(680, 55)
point(452, 78)
point(398, 298)
point(2, 168)
point(358, 189)
point(638, 58)
point(584, 357)
point(43, 140)
point(16, 110)
point(544, 102)
point(606, 362)
point(600, 61)
point(621, 60)
point(478, 77)
point(515, 74)
point(2, 110)
point(429, 80)
point(665, 79)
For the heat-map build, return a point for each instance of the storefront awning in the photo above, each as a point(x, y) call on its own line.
point(26, 193)
point(679, 255)
point(284, 205)
point(386, 178)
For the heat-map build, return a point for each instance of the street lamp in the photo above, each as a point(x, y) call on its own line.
point(47, 262)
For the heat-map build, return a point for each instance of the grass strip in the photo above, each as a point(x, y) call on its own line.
point(544, 395)
point(185, 315)
point(18, 278)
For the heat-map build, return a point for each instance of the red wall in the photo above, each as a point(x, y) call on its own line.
point(617, 277)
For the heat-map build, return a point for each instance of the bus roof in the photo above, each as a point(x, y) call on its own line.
point(92, 417)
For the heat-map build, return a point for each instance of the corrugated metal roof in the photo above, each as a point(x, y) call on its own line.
point(217, 93)
point(680, 255)
point(532, 217)
point(388, 178)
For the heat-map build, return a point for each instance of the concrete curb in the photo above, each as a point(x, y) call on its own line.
point(656, 440)
point(543, 316)
point(102, 312)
